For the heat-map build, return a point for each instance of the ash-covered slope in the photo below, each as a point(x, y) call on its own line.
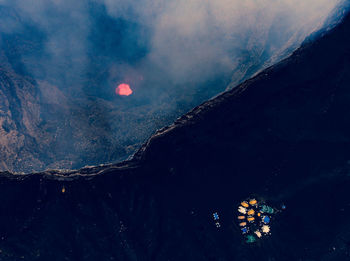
point(64, 60)
point(40, 127)
point(283, 136)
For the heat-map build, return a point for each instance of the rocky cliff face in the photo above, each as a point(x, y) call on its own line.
point(59, 108)
point(20, 117)
point(282, 136)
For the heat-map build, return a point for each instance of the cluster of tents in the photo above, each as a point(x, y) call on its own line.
point(254, 219)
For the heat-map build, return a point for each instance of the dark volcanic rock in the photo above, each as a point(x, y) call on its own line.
point(282, 136)
point(40, 127)
point(58, 74)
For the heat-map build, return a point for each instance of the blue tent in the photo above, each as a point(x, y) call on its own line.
point(216, 216)
point(266, 220)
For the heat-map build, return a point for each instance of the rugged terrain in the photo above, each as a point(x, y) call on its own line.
point(282, 136)
point(58, 106)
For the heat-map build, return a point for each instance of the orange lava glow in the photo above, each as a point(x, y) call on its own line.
point(123, 89)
